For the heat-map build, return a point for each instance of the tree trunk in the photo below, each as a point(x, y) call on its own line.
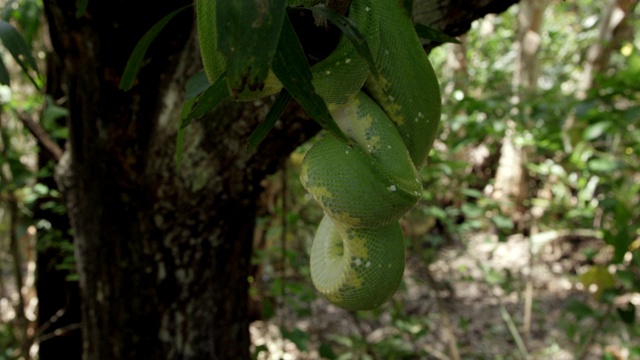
point(163, 255)
point(510, 187)
point(613, 32)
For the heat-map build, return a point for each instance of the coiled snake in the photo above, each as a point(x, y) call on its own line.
point(365, 186)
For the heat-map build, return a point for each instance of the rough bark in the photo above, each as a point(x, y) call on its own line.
point(163, 255)
point(58, 298)
point(454, 17)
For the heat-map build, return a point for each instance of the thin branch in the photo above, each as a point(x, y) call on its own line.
point(59, 332)
point(41, 136)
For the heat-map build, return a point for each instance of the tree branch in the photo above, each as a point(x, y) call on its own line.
point(41, 136)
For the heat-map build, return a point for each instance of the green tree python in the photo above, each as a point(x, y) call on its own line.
point(366, 186)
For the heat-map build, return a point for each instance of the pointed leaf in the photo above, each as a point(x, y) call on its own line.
point(248, 33)
point(135, 60)
point(350, 30)
point(209, 99)
point(196, 85)
point(274, 114)
point(291, 67)
point(20, 51)
point(596, 130)
point(429, 33)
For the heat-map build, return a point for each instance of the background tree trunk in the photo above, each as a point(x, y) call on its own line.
point(510, 187)
point(163, 255)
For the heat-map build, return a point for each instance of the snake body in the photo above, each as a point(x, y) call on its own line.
point(367, 185)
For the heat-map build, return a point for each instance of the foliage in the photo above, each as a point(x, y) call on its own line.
point(21, 190)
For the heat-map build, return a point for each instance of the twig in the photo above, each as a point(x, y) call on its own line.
point(59, 332)
point(41, 136)
point(52, 320)
point(513, 329)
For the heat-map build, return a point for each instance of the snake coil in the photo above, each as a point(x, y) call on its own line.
point(366, 186)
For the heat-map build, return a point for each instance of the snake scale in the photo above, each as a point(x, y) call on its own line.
point(367, 185)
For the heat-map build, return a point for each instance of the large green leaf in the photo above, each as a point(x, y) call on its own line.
point(291, 67)
point(248, 33)
point(135, 60)
point(19, 49)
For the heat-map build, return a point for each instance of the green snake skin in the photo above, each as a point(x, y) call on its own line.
point(365, 187)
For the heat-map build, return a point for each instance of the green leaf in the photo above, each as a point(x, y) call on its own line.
point(429, 33)
point(596, 130)
point(350, 30)
point(627, 314)
point(298, 337)
point(259, 349)
point(81, 7)
point(502, 222)
point(473, 193)
point(274, 114)
point(135, 60)
point(326, 352)
point(19, 49)
point(600, 276)
point(209, 99)
point(196, 85)
point(291, 67)
point(580, 309)
point(604, 164)
point(256, 26)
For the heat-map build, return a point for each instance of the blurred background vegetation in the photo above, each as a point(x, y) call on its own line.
point(526, 243)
